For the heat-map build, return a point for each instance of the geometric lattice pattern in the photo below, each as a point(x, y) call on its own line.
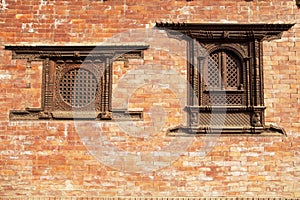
point(214, 71)
point(78, 87)
point(224, 119)
point(232, 71)
point(223, 63)
point(214, 99)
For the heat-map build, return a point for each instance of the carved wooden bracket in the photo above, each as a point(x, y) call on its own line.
point(226, 75)
point(77, 81)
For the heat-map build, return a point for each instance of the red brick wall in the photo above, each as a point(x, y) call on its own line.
point(54, 158)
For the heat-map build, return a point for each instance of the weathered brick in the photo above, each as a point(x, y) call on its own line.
point(50, 159)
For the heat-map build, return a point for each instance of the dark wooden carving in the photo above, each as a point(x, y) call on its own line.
point(77, 81)
point(232, 101)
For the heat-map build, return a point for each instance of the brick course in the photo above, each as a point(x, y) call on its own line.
point(52, 158)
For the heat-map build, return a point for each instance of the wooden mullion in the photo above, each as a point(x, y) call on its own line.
point(223, 69)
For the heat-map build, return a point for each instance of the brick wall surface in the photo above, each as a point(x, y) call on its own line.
point(68, 159)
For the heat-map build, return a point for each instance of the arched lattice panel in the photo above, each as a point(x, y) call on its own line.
point(224, 79)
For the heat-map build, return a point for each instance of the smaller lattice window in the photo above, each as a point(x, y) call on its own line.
point(76, 81)
point(78, 87)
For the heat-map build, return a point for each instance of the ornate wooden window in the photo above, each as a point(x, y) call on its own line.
point(225, 73)
point(77, 81)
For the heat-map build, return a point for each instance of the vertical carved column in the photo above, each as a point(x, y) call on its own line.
point(247, 81)
point(196, 73)
point(190, 72)
point(261, 78)
point(48, 82)
point(201, 66)
point(252, 77)
point(257, 74)
point(106, 90)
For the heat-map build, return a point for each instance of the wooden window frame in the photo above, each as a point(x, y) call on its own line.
point(59, 60)
point(247, 41)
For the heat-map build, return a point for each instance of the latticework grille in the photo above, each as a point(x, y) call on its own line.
point(232, 72)
point(222, 99)
point(223, 63)
point(223, 75)
point(78, 87)
point(213, 71)
point(224, 119)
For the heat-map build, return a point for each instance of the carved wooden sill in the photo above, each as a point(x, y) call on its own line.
point(180, 131)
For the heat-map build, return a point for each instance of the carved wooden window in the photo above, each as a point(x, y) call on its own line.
point(76, 89)
point(226, 74)
point(223, 73)
point(77, 81)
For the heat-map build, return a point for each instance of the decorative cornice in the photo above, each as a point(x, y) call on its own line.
point(215, 31)
point(40, 52)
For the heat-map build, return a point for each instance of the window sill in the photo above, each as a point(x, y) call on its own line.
point(39, 114)
point(267, 131)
